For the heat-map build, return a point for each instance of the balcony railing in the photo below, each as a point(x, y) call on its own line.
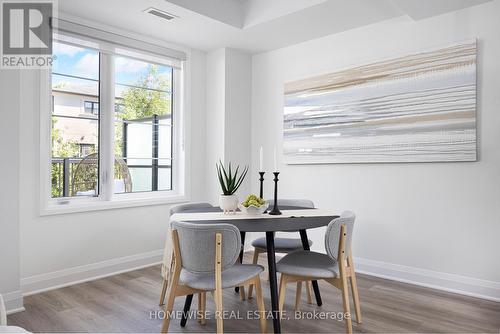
point(62, 172)
point(63, 182)
point(63, 169)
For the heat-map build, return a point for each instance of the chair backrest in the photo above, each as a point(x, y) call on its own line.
point(304, 203)
point(332, 236)
point(189, 206)
point(197, 245)
point(3, 313)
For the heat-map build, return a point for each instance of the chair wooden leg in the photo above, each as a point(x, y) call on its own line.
point(199, 308)
point(354, 289)
point(219, 310)
point(242, 293)
point(254, 261)
point(218, 283)
point(282, 292)
point(345, 301)
point(163, 292)
point(298, 295)
point(202, 300)
point(309, 292)
point(260, 306)
point(170, 304)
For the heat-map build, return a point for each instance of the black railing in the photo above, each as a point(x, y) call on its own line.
point(155, 151)
point(155, 134)
point(63, 171)
point(63, 168)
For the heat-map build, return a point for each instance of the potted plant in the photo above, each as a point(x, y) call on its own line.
point(229, 183)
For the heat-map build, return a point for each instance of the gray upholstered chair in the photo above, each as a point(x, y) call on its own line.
point(3, 321)
point(284, 245)
point(206, 259)
point(3, 313)
point(166, 256)
point(189, 207)
point(335, 267)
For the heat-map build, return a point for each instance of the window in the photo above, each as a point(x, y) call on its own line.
point(91, 107)
point(75, 136)
point(123, 148)
point(143, 134)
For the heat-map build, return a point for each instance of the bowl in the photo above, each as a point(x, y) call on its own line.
point(253, 210)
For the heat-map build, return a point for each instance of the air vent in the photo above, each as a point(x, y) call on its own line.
point(160, 13)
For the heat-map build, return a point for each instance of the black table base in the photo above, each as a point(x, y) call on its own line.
point(187, 307)
point(273, 281)
point(242, 234)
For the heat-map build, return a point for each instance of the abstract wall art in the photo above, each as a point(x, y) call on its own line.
point(416, 108)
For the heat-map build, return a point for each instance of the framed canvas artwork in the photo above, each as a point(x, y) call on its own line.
point(416, 108)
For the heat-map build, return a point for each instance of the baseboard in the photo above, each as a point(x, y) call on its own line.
point(469, 286)
point(58, 279)
point(431, 279)
point(13, 301)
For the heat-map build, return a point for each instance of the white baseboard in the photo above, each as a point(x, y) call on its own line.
point(13, 301)
point(431, 279)
point(58, 279)
point(469, 286)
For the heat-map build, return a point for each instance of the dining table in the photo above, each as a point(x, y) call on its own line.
point(291, 219)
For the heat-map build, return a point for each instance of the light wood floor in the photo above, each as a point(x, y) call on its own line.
point(124, 303)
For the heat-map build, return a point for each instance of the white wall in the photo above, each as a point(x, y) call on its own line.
point(62, 248)
point(435, 219)
point(228, 115)
point(237, 128)
point(9, 216)
point(216, 113)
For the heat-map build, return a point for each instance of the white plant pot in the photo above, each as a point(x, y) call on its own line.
point(228, 203)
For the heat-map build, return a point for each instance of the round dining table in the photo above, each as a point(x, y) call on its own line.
point(292, 219)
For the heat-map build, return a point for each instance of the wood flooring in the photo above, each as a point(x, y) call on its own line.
point(129, 303)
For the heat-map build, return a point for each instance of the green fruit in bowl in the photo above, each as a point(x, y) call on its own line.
point(253, 200)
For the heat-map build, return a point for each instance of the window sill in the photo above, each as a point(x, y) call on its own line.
point(93, 204)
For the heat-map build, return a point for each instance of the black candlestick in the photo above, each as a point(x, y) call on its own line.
point(261, 194)
point(275, 211)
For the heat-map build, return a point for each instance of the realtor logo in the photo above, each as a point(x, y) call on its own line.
point(26, 33)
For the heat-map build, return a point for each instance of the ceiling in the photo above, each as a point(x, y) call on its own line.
point(252, 25)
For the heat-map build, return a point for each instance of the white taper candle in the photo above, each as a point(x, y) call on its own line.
point(261, 164)
point(275, 161)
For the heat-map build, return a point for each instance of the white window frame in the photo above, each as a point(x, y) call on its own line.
point(106, 198)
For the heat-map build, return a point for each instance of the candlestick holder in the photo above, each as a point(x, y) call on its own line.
point(275, 211)
point(261, 193)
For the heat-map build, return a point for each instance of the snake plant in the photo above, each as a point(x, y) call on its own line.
point(229, 181)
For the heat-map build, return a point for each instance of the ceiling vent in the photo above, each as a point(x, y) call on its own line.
point(160, 13)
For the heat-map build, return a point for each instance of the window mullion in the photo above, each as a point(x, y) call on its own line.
point(107, 130)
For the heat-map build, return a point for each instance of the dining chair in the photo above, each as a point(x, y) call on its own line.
point(206, 259)
point(165, 267)
point(3, 313)
point(3, 321)
point(335, 267)
point(284, 245)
